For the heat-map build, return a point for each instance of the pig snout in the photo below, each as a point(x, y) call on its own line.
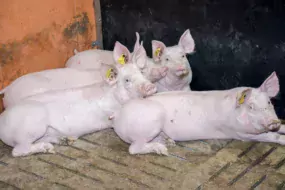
point(274, 125)
point(147, 89)
point(181, 70)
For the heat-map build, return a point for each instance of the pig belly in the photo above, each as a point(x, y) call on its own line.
point(185, 128)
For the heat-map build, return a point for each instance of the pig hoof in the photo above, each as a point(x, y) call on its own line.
point(160, 149)
point(49, 148)
point(171, 143)
point(67, 141)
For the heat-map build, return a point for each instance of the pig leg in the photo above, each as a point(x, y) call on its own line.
point(162, 137)
point(54, 136)
point(68, 140)
point(144, 148)
point(265, 137)
point(158, 73)
point(28, 149)
point(26, 141)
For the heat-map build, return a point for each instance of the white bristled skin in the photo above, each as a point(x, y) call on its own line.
point(184, 116)
point(48, 80)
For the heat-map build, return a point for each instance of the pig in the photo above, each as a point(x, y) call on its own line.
point(242, 113)
point(33, 127)
point(65, 78)
point(91, 59)
point(179, 76)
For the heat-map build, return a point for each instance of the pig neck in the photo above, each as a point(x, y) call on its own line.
point(110, 103)
point(172, 82)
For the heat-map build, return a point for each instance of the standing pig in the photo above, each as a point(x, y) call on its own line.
point(241, 113)
point(179, 75)
point(31, 126)
point(92, 59)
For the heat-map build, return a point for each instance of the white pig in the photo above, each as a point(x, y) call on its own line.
point(31, 126)
point(179, 76)
point(242, 113)
point(92, 59)
point(44, 81)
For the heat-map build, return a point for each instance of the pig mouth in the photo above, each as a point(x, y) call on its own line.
point(182, 73)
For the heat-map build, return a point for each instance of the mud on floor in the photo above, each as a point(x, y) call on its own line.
point(101, 161)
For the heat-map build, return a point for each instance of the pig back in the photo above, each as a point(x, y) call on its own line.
point(90, 59)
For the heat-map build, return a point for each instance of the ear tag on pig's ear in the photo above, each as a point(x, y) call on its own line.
point(241, 99)
point(157, 52)
point(122, 59)
point(109, 73)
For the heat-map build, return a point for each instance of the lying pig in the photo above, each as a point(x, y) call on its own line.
point(43, 81)
point(92, 59)
point(241, 113)
point(179, 75)
point(65, 78)
point(31, 126)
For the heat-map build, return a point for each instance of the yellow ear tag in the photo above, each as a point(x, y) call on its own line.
point(109, 72)
point(122, 59)
point(157, 52)
point(242, 98)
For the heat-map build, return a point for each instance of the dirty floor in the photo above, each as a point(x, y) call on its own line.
point(101, 161)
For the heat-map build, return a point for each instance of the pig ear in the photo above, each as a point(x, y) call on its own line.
point(271, 85)
point(157, 49)
point(121, 54)
point(109, 73)
point(243, 97)
point(137, 44)
point(140, 57)
point(187, 42)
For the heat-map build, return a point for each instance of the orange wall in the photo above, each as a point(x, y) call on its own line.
point(37, 35)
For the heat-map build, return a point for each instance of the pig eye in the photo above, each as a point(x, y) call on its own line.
point(269, 103)
point(127, 80)
point(183, 56)
point(167, 59)
point(251, 106)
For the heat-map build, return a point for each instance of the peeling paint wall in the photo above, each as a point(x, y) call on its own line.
point(38, 35)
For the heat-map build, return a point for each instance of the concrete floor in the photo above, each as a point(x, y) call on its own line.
point(101, 161)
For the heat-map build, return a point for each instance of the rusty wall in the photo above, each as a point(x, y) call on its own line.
point(37, 35)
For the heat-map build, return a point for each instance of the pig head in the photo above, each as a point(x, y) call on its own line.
point(179, 75)
point(131, 83)
point(255, 112)
point(152, 71)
